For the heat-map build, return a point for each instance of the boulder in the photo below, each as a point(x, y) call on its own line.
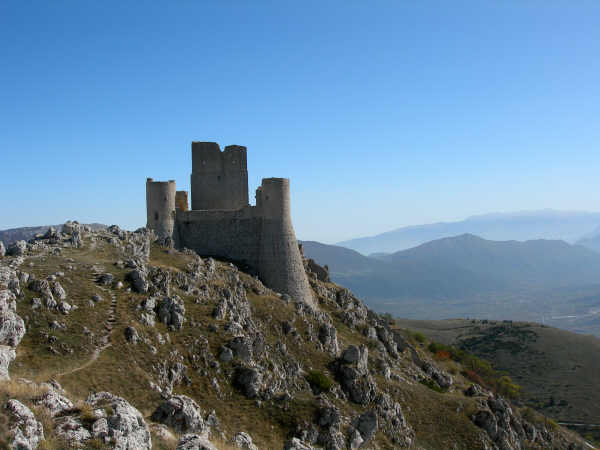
point(126, 426)
point(182, 414)
point(17, 248)
point(296, 444)
point(72, 430)
point(24, 430)
point(194, 442)
point(64, 307)
point(132, 335)
point(58, 291)
point(249, 380)
point(171, 312)
point(243, 440)
point(2, 249)
point(139, 280)
point(328, 337)
point(7, 355)
point(12, 327)
point(54, 400)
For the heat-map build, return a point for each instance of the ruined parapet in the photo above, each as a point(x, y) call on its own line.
point(181, 200)
point(279, 261)
point(160, 207)
point(219, 180)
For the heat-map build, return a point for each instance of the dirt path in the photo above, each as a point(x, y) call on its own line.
point(105, 340)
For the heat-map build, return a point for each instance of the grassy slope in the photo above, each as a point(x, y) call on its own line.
point(546, 362)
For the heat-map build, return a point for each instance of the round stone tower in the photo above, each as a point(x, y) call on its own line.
point(279, 260)
point(160, 207)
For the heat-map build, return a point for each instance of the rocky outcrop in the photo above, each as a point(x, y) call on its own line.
point(243, 440)
point(17, 248)
point(171, 312)
point(353, 375)
point(194, 442)
point(25, 431)
point(125, 426)
point(182, 414)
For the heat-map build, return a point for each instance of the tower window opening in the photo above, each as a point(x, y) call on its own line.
point(156, 216)
point(218, 177)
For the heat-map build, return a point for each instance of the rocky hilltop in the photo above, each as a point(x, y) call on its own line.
point(108, 340)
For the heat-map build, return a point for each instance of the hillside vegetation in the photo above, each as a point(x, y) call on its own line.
point(112, 341)
point(557, 370)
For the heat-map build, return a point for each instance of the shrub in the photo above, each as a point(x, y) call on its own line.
point(506, 387)
point(432, 385)
point(319, 382)
point(442, 355)
point(419, 337)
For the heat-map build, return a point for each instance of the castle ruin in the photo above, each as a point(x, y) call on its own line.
point(221, 223)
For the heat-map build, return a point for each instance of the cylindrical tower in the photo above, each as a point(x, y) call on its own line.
point(280, 263)
point(160, 207)
point(219, 180)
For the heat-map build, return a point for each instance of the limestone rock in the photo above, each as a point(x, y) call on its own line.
point(25, 431)
point(139, 281)
point(7, 355)
point(54, 400)
point(132, 335)
point(243, 440)
point(72, 430)
point(12, 327)
point(182, 414)
point(17, 248)
point(58, 291)
point(2, 249)
point(194, 442)
point(64, 307)
point(249, 380)
point(126, 426)
point(171, 312)
point(296, 444)
point(328, 337)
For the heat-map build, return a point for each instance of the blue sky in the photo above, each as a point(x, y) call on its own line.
point(383, 114)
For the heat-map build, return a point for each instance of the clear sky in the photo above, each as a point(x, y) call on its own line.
point(383, 114)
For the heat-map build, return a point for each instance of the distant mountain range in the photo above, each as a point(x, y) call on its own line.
point(520, 226)
point(468, 276)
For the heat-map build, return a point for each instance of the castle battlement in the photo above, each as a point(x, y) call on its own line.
point(222, 223)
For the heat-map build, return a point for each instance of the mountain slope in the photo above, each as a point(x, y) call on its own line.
point(521, 226)
point(153, 346)
point(557, 369)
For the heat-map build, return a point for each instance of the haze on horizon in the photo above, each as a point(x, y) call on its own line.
point(387, 116)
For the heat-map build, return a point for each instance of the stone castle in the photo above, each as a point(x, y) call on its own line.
point(222, 223)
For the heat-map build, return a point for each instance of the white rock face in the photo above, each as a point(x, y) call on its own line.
point(12, 327)
point(25, 430)
point(7, 355)
point(126, 426)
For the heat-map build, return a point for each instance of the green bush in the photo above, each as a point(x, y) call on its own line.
point(319, 382)
point(432, 385)
point(419, 337)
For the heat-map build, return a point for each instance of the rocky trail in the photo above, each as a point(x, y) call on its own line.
point(105, 341)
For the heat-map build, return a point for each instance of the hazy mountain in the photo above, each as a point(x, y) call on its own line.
point(521, 226)
point(592, 240)
point(469, 276)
